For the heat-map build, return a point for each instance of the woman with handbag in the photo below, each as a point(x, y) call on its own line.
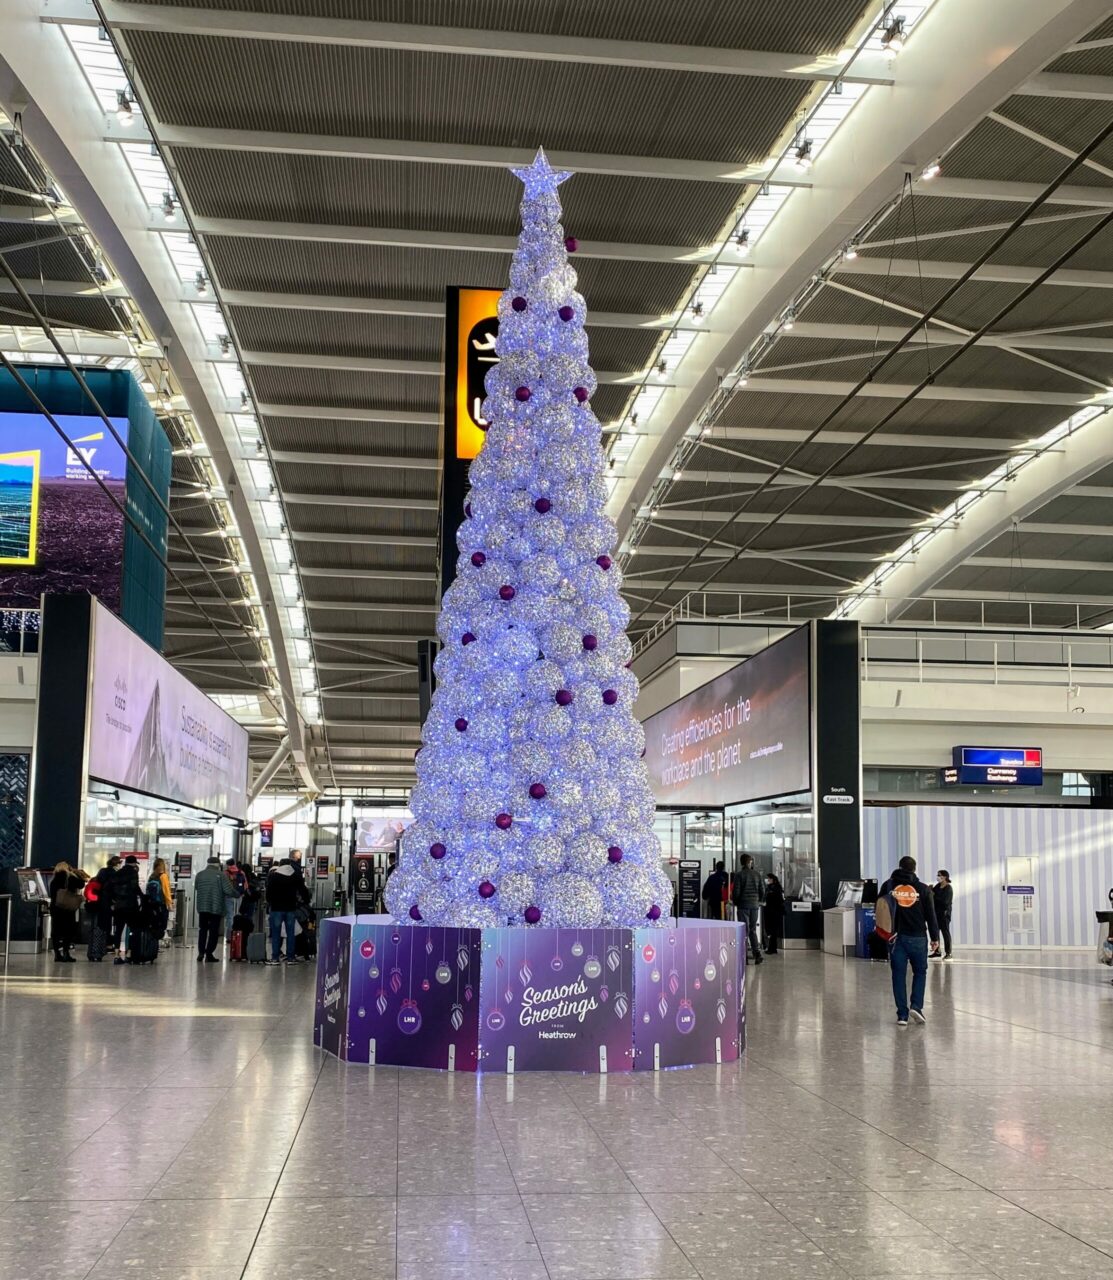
point(65, 902)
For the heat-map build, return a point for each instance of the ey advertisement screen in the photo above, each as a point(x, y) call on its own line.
point(59, 531)
point(151, 730)
point(743, 736)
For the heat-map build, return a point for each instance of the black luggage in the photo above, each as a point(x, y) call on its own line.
point(256, 947)
point(243, 924)
point(144, 946)
point(98, 941)
point(305, 944)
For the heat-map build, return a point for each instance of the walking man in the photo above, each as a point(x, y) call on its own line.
point(748, 895)
point(913, 919)
point(212, 889)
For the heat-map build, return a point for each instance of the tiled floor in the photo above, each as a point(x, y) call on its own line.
point(175, 1123)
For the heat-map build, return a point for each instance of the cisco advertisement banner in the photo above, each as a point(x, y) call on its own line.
point(59, 531)
point(151, 730)
point(742, 736)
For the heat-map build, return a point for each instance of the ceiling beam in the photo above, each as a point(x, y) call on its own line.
point(885, 334)
point(1061, 84)
point(867, 68)
point(883, 439)
point(448, 241)
point(362, 539)
point(342, 573)
point(393, 364)
point(65, 288)
point(36, 215)
point(991, 273)
point(419, 308)
point(900, 391)
point(333, 413)
point(390, 462)
point(686, 515)
point(362, 500)
point(1014, 192)
point(458, 154)
point(730, 476)
point(372, 606)
point(1019, 562)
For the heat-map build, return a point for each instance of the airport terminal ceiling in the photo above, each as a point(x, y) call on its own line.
point(759, 226)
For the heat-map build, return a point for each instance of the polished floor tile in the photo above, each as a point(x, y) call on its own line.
point(180, 1126)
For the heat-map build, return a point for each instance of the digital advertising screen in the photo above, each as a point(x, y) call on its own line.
point(153, 731)
point(743, 736)
point(59, 531)
point(378, 832)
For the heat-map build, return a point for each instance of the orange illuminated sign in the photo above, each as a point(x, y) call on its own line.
point(477, 328)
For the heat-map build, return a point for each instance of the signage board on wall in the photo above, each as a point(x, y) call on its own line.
point(743, 736)
point(995, 766)
point(688, 885)
point(154, 732)
point(59, 530)
point(266, 833)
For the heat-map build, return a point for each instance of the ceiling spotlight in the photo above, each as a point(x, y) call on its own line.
point(789, 320)
point(931, 171)
point(662, 366)
point(697, 308)
point(851, 251)
point(743, 375)
point(125, 113)
point(169, 207)
point(742, 240)
point(803, 154)
point(892, 38)
point(243, 399)
point(225, 344)
point(201, 283)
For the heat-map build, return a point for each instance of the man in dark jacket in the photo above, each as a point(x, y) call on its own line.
point(284, 892)
point(714, 892)
point(913, 920)
point(212, 890)
point(747, 895)
point(126, 902)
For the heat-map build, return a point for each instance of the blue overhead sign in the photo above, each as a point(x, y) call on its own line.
point(995, 766)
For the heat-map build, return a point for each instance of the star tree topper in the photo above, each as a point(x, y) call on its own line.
point(540, 178)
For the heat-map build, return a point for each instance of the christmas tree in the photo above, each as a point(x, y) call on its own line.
point(533, 805)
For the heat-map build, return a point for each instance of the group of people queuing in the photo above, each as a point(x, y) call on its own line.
point(758, 901)
point(129, 920)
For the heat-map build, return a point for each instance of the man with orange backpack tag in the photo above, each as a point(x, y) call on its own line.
point(904, 916)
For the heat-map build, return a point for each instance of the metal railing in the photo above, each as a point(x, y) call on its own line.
point(794, 609)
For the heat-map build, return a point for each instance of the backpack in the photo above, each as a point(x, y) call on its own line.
point(885, 917)
point(91, 891)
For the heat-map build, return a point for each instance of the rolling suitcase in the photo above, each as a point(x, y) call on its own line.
point(237, 949)
point(243, 924)
point(144, 947)
point(98, 942)
point(256, 948)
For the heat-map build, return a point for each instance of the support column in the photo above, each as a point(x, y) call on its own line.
point(837, 748)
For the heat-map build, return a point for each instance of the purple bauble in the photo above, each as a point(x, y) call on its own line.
point(531, 915)
point(414, 913)
point(467, 638)
point(566, 312)
point(522, 394)
point(519, 303)
point(542, 505)
point(610, 696)
point(478, 559)
point(538, 791)
point(654, 913)
point(581, 394)
point(571, 243)
point(486, 889)
point(590, 642)
point(503, 821)
point(461, 724)
point(563, 697)
point(614, 853)
point(507, 592)
point(437, 851)
point(604, 562)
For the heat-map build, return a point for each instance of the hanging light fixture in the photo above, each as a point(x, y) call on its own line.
point(803, 154)
point(169, 207)
point(892, 37)
point(125, 113)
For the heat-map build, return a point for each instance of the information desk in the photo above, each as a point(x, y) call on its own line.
point(531, 999)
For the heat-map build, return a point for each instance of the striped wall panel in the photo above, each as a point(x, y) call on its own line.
point(1074, 848)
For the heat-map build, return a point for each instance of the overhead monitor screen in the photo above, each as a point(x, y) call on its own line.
point(59, 530)
point(153, 731)
point(743, 736)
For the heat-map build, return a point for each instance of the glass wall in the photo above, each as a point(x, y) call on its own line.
point(781, 838)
